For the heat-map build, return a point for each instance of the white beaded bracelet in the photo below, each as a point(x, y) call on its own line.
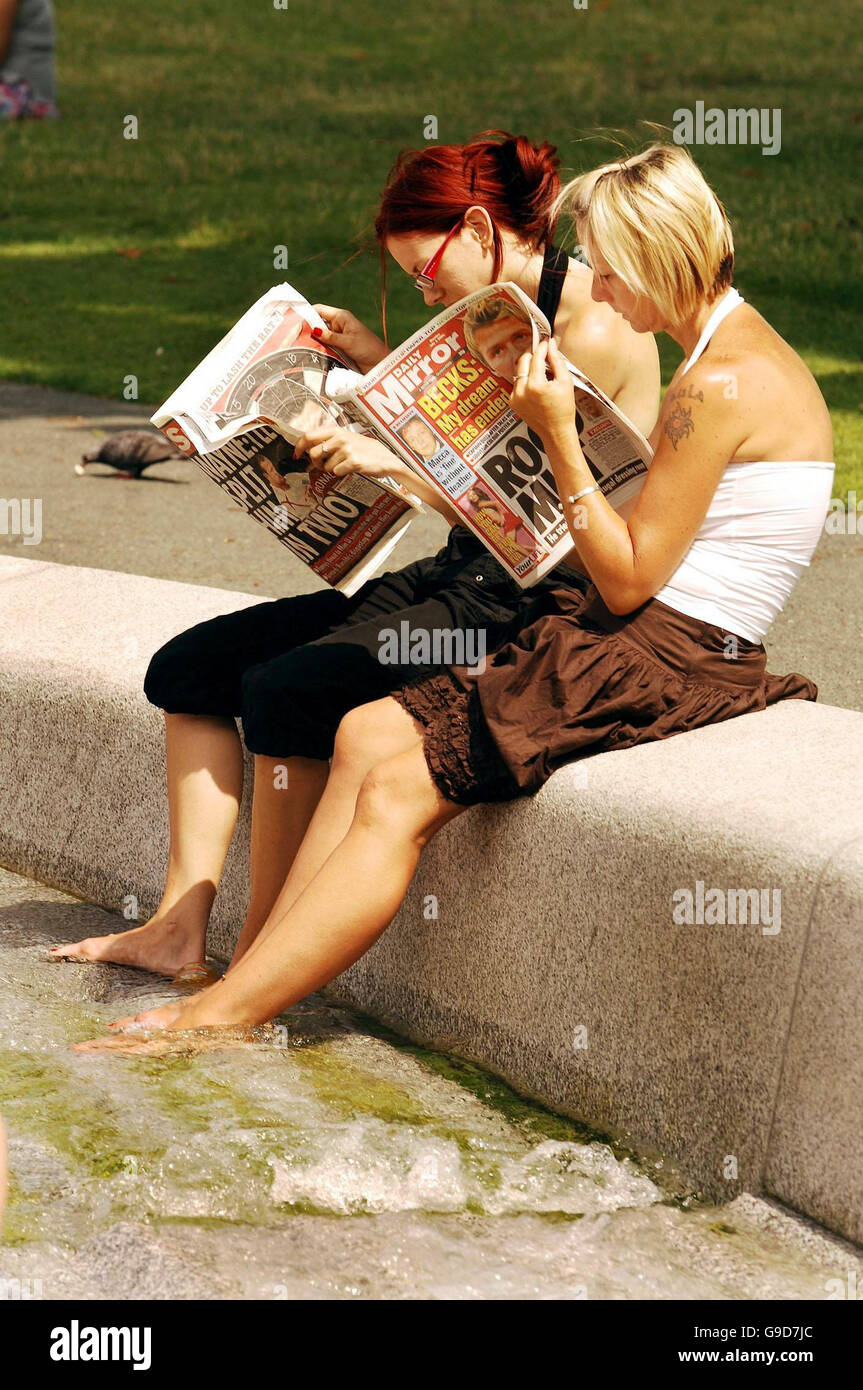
point(583, 493)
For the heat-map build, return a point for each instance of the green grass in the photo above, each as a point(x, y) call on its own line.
point(259, 127)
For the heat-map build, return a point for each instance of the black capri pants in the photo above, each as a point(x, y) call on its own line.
point(291, 668)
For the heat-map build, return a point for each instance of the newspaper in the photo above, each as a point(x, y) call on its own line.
point(440, 401)
point(239, 415)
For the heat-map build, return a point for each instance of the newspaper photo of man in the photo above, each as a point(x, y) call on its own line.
point(498, 332)
point(420, 438)
point(588, 405)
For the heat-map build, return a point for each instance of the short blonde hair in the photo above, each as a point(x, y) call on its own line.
point(656, 221)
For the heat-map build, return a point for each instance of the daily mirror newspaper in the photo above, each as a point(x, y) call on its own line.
point(440, 401)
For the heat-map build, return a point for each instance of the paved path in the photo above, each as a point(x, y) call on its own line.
point(175, 524)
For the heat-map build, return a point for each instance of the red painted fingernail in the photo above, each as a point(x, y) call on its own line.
point(316, 332)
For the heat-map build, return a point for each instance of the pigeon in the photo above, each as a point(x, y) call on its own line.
point(130, 452)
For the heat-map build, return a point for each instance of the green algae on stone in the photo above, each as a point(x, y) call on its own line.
point(46, 1100)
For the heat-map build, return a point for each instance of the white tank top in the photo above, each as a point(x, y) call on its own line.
point(758, 536)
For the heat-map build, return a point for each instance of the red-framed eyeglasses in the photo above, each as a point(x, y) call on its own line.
point(426, 278)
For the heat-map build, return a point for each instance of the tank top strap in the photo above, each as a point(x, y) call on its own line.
point(729, 301)
point(555, 267)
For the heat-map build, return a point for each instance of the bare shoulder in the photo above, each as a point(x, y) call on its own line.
point(748, 344)
point(583, 325)
point(753, 385)
point(625, 364)
point(698, 402)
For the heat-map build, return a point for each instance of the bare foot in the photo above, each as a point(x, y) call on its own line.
point(179, 1040)
point(166, 1016)
point(209, 1014)
point(160, 946)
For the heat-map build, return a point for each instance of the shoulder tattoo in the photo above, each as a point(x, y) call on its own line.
point(679, 423)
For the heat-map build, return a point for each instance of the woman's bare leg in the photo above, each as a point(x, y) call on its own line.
point(367, 735)
point(204, 757)
point(348, 904)
point(205, 782)
point(287, 791)
point(344, 908)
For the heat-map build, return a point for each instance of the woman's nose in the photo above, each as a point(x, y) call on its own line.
point(596, 290)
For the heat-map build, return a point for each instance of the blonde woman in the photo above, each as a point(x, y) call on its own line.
point(668, 637)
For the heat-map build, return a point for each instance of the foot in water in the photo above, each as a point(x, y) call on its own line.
point(160, 946)
point(163, 1017)
point(179, 1041)
point(196, 1024)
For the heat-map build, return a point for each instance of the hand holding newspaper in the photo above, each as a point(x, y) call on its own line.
point(440, 402)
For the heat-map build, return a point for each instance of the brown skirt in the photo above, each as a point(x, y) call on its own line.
point(578, 681)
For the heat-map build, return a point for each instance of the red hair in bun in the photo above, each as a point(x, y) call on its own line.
point(429, 189)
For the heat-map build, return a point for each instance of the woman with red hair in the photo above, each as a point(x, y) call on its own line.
point(484, 212)
point(456, 218)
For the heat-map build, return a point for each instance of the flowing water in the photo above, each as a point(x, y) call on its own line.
point(333, 1161)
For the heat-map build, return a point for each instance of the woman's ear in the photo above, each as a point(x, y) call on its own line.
point(480, 225)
